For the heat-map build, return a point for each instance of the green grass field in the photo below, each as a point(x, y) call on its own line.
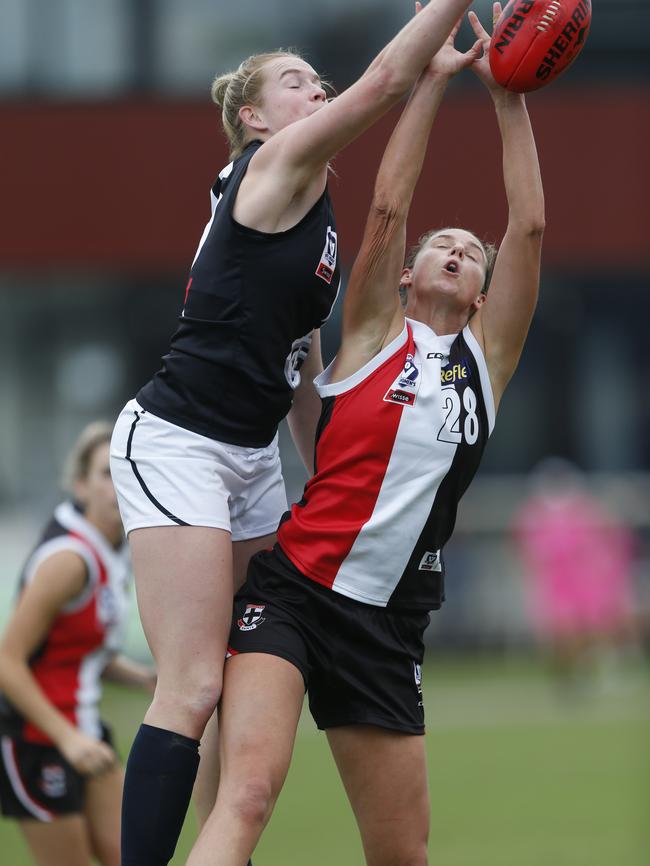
point(518, 777)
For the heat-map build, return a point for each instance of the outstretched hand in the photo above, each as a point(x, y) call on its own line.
point(448, 60)
point(481, 66)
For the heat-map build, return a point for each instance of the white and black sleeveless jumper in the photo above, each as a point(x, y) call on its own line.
point(252, 300)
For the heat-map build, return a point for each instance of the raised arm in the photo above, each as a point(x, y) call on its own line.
point(372, 313)
point(290, 159)
point(501, 325)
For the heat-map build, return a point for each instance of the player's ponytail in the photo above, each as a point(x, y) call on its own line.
point(234, 90)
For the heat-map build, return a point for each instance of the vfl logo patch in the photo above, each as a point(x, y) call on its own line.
point(252, 617)
point(405, 388)
point(327, 263)
point(430, 561)
point(52, 781)
point(417, 676)
point(106, 606)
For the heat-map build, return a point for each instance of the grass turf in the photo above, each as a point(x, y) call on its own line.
point(519, 775)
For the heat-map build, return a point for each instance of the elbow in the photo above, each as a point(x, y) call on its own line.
point(531, 226)
point(386, 210)
point(390, 83)
point(537, 224)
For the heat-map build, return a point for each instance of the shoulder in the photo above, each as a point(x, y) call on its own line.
point(58, 578)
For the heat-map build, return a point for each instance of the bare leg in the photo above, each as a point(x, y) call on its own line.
point(384, 774)
point(184, 586)
point(102, 807)
point(62, 842)
point(207, 779)
point(260, 708)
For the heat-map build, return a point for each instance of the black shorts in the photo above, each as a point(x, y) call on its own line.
point(37, 782)
point(361, 664)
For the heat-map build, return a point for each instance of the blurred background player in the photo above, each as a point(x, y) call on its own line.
point(59, 776)
point(340, 604)
point(194, 457)
point(579, 563)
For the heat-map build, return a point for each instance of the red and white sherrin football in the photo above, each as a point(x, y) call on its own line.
point(534, 42)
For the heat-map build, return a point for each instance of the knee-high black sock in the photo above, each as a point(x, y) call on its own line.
point(160, 774)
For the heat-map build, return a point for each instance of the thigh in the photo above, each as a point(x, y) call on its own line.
point(183, 577)
point(102, 809)
point(385, 777)
point(242, 552)
point(61, 842)
point(258, 716)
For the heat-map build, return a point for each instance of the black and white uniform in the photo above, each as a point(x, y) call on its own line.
point(346, 592)
point(198, 445)
point(36, 781)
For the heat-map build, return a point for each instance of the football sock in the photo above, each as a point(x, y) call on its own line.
point(160, 774)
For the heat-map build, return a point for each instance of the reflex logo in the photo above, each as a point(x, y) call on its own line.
point(452, 374)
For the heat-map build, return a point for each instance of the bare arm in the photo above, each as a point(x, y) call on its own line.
point(294, 160)
point(305, 410)
point(59, 579)
point(127, 672)
point(372, 314)
point(501, 325)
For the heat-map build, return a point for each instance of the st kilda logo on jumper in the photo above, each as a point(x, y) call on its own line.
point(327, 263)
point(405, 388)
point(252, 617)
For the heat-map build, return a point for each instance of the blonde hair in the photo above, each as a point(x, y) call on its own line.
point(77, 463)
point(490, 250)
point(232, 90)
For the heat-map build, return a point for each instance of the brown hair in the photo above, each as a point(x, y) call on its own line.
point(232, 90)
point(77, 464)
point(489, 249)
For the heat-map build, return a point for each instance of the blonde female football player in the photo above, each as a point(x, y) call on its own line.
point(339, 606)
point(59, 777)
point(194, 456)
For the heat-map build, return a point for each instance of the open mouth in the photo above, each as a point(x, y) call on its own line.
point(452, 267)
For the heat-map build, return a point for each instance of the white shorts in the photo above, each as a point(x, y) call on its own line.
point(166, 475)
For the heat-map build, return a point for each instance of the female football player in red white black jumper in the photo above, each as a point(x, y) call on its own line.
point(339, 606)
point(58, 772)
point(194, 457)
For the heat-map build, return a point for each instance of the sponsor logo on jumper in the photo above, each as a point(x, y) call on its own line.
point(405, 388)
point(252, 617)
point(570, 40)
point(52, 781)
point(430, 561)
point(438, 355)
point(449, 375)
point(327, 263)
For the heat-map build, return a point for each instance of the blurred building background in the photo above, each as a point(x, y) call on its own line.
point(109, 146)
